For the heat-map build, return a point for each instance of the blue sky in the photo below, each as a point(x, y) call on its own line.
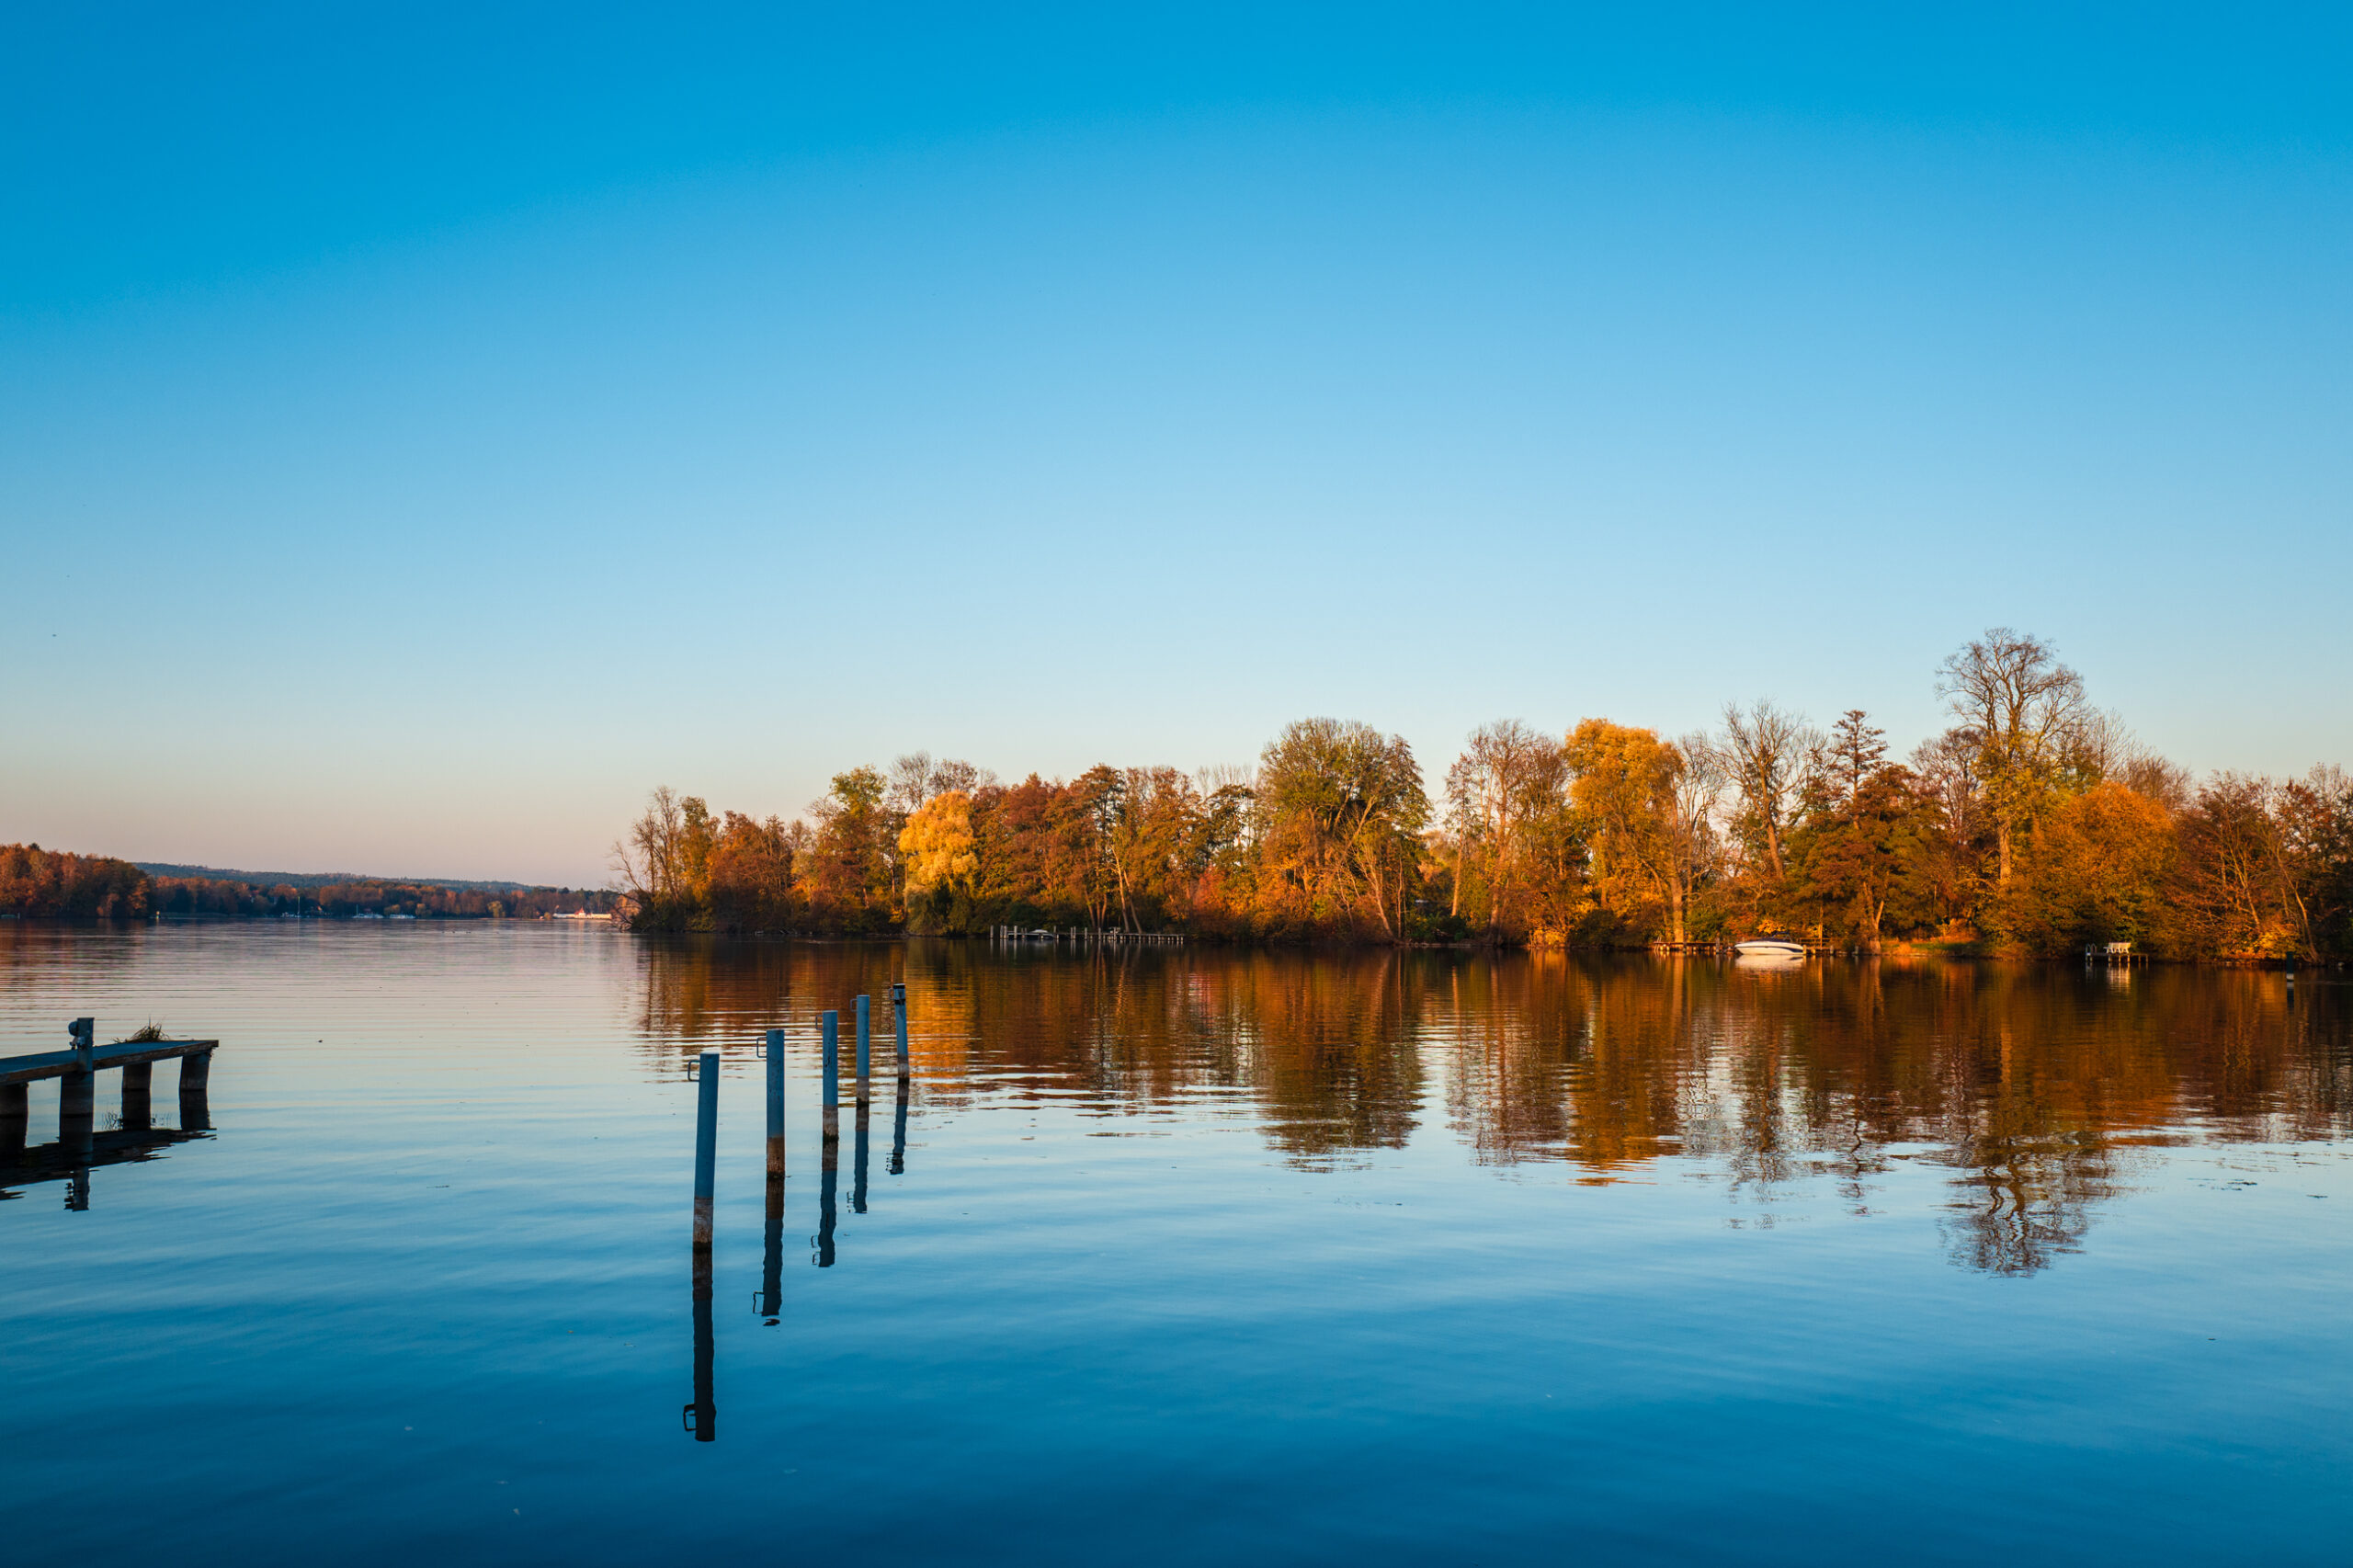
point(421, 431)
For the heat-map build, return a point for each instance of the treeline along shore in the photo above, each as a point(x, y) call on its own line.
point(48, 884)
point(2034, 824)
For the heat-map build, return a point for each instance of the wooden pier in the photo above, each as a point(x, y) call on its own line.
point(79, 1144)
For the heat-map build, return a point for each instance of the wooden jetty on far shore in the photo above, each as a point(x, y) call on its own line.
point(1105, 935)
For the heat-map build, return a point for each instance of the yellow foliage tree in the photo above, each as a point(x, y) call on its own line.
point(2094, 871)
point(1623, 783)
point(937, 844)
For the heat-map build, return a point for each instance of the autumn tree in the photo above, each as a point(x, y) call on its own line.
point(1339, 808)
point(750, 874)
point(652, 862)
point(1646, 805)
point(2095, 868)
point(2232, 896)
point(1499, 794)
point(938, 850)
point(1851, 755)
point(853, 860)
point(51, 884)
point(1765, 750)
point(2023, 714)
point(1863, 846)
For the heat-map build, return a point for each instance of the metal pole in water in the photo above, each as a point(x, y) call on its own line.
point(864, 1050)
point(772, 1230)
point(899, 1012)
point(706, 1146)
point(701, 1415)
point(776, 1105)
point(833, 1081)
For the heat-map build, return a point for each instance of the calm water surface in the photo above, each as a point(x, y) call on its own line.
point(1184, 1256)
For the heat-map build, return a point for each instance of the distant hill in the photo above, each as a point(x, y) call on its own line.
point(327, 878)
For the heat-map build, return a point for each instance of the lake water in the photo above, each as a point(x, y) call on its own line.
point(1184, 1256)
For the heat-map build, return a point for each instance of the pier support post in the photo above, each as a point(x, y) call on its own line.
point(76, 1106)
point(196, 1105)
point(706, 1146)
point(139, 1097)
point(16, 1114)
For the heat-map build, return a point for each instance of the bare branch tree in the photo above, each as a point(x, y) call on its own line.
point(1765, 752)
point(2024, 712)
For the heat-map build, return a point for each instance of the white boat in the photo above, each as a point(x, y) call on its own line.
point(1783, 948)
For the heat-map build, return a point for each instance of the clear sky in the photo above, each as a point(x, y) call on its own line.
point(423, 429)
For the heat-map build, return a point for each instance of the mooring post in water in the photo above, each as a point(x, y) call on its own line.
point(772, 1232)
point(899, 1016)
point(706, 1145)
point(702, 1417)
point(776, 1107)
point(139, 1097)
point(833, 1078)
point(865, 1050)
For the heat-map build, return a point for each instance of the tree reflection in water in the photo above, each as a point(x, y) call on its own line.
point(2033, 1084)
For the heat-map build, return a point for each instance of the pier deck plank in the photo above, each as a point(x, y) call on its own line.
point(129, 1053)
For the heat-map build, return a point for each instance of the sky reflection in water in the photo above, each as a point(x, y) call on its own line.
point(1277, 1258)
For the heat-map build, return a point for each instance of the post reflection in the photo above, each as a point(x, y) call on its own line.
point(899, 1103)
point(899, 1129)
point(857, 1165)
point(830, 1140)
point(701, 1416)
point(824, 1240)
point(2035, 1087)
